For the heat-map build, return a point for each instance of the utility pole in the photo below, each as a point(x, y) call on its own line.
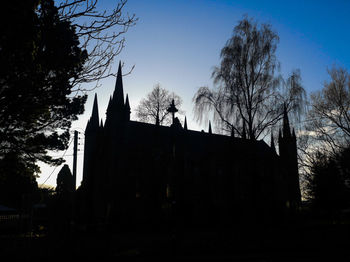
point(75, 150)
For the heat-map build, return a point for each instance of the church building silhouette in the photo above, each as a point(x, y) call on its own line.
point(144, 174)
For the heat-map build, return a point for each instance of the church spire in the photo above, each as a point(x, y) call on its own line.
point(118, 95)
point(117, 110)
point(185, 124)
point(94, 120)
point(209, 131)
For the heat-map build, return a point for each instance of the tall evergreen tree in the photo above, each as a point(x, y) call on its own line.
point(40, 55)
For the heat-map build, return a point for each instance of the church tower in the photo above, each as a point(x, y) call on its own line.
point(103, 146)
point(288, 155)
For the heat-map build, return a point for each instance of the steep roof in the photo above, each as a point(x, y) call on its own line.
point(149, 135)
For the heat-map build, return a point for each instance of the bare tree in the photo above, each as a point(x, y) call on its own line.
point(327, 127)
point(248, 97)
point(153, 108)
point(100, 33)
point(329, 115)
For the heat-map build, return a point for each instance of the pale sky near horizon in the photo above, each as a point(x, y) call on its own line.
point(177, 44)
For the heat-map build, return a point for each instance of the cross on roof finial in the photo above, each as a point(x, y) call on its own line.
point(172, 109)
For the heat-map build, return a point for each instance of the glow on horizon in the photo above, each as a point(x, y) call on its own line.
point(177, 44)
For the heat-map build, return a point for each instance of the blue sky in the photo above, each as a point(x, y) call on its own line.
point(177, 44)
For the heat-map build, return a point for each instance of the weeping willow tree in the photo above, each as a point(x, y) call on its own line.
point(248, 98)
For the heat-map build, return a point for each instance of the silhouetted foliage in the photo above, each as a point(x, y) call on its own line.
point(153, 109)
point(248, 96)
point(18, 187)
point(327, 181)
point(39, 55)
point(100, 32)
point(46, 194)
point(330, 112)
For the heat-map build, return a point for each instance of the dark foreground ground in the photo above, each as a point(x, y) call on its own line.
point(244, 243)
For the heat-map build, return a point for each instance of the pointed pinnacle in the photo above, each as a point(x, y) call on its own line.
point(209, 131)
point(294, 137)
point(109, 105)
point(87, 126)
point(286, 126)
point(185, 124)
point(118, 95)
point(273, 143)
point(94, 116)
point(279, 135)
point(127, 105)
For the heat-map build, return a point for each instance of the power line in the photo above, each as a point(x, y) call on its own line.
point(57, 166)
point(71, 154)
